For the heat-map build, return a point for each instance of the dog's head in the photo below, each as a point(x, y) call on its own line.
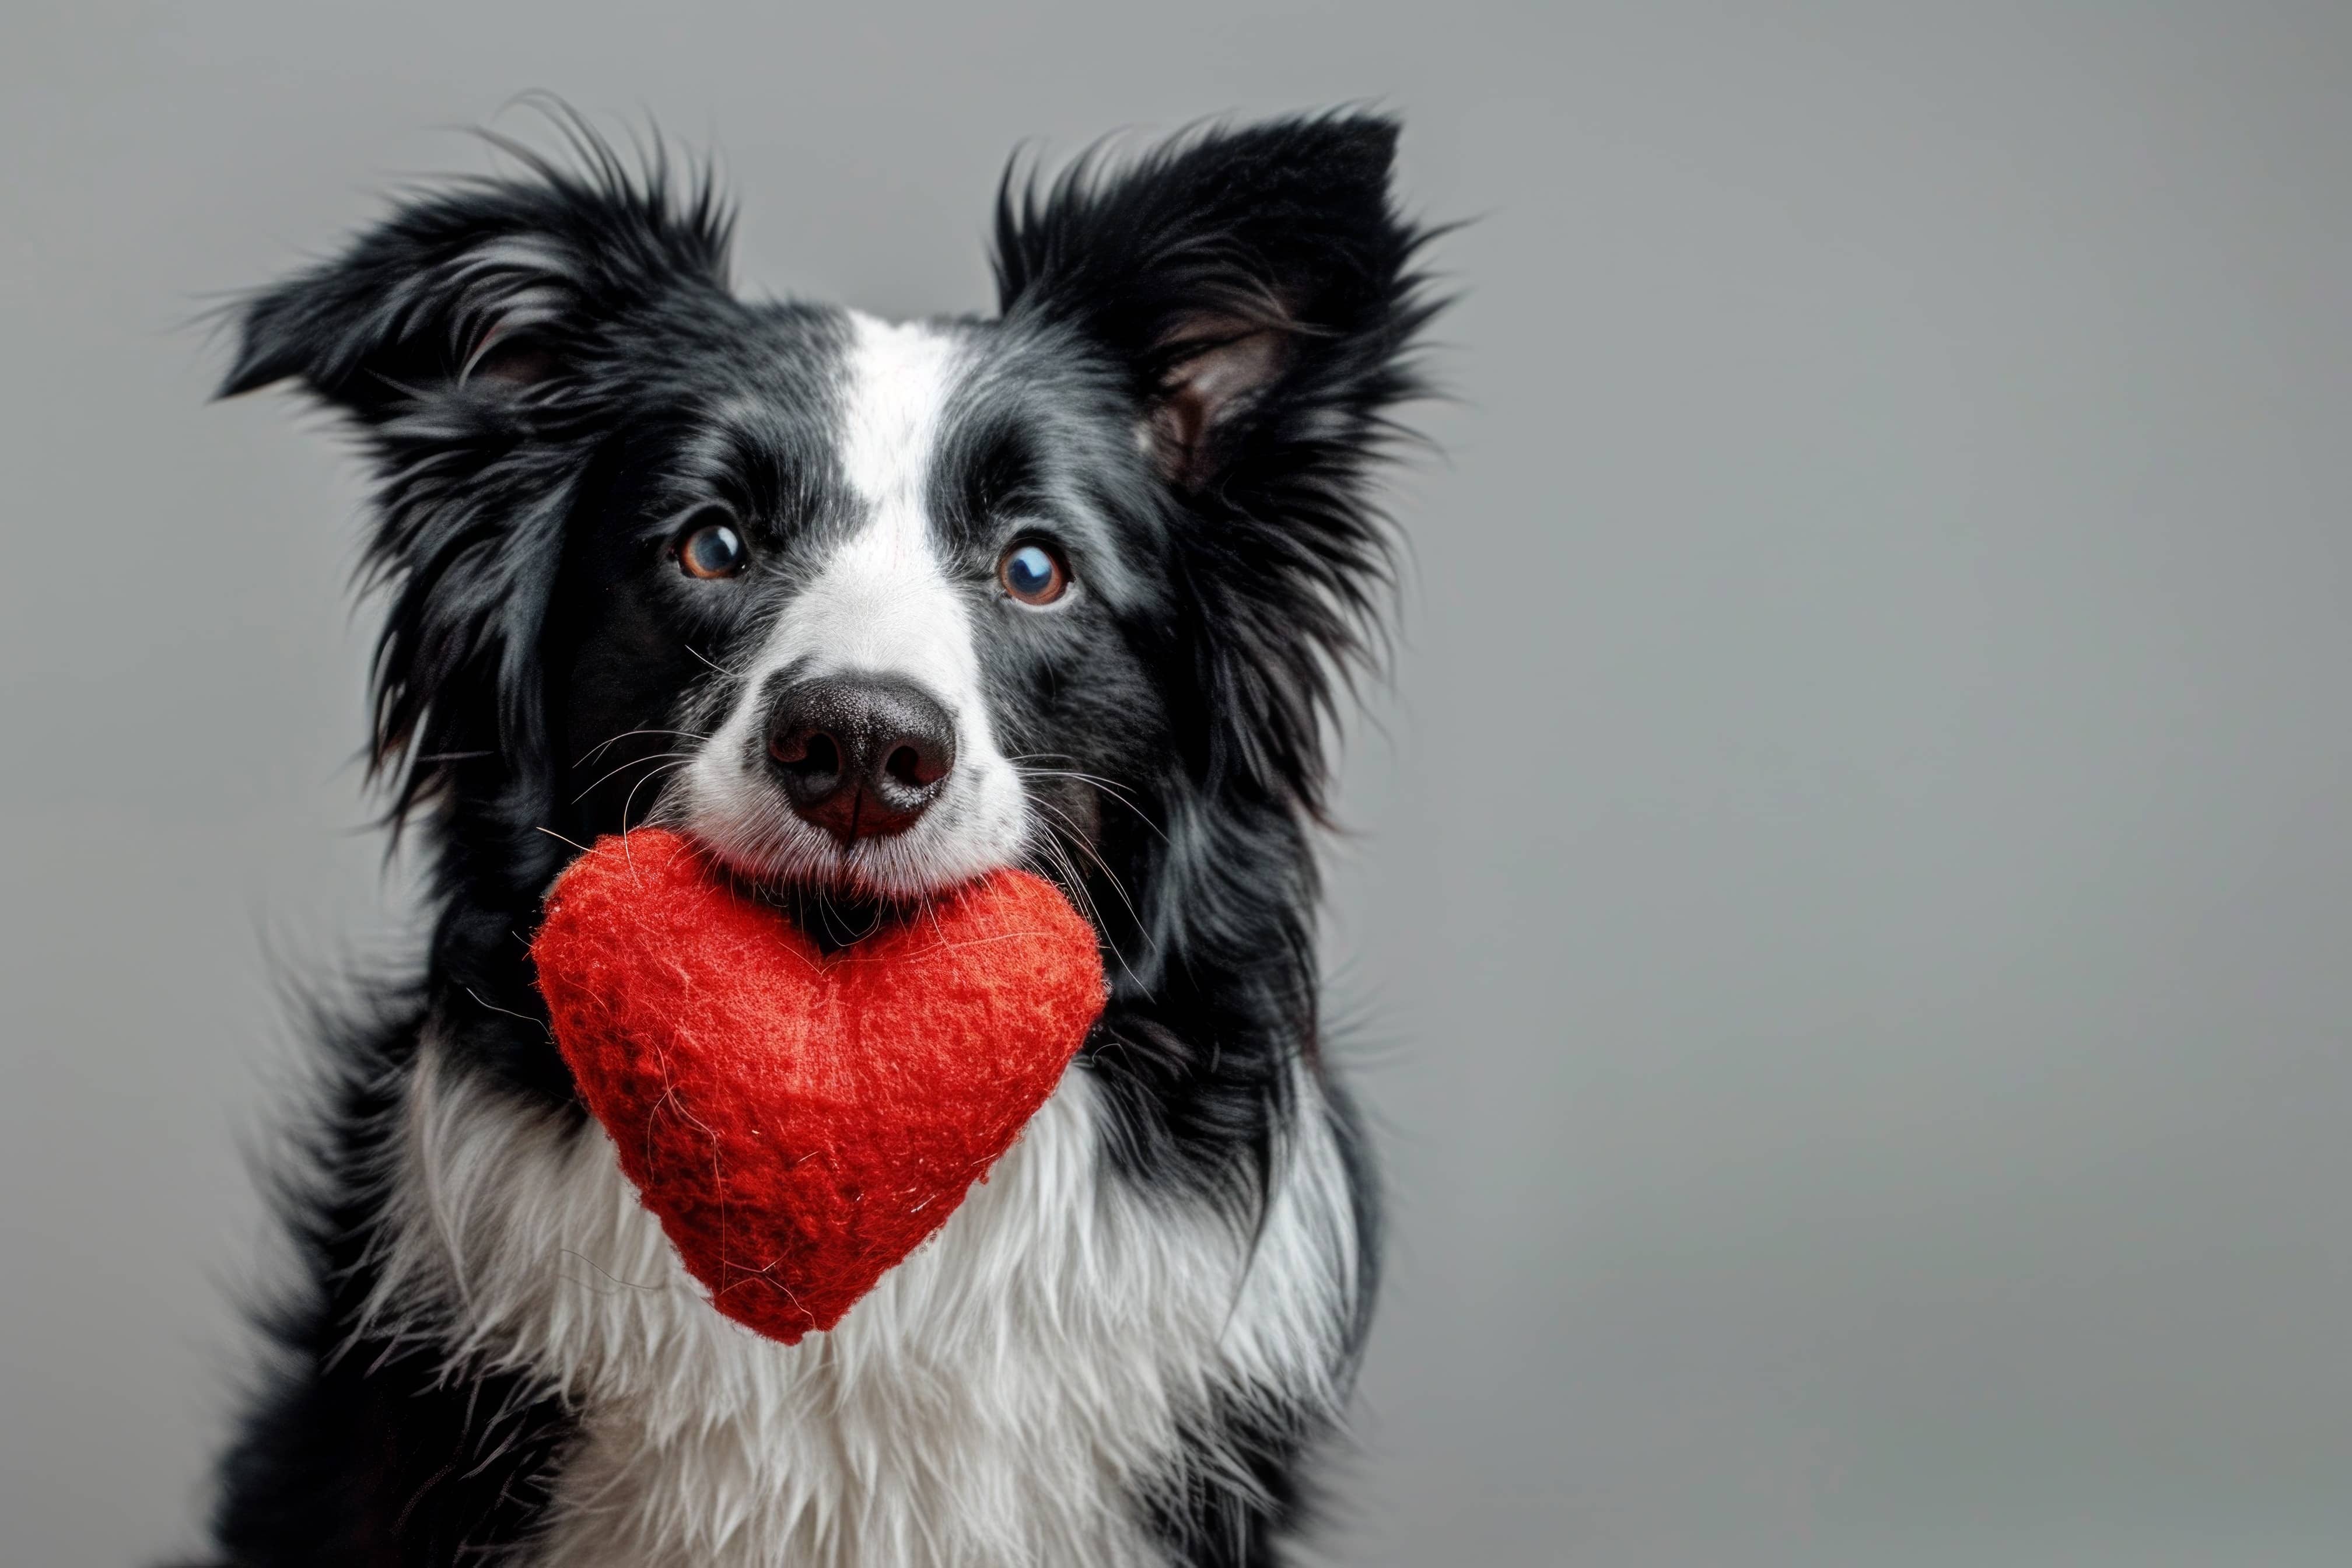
point(866, 606)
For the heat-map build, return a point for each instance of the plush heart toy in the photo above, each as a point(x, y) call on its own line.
point(800, 1122)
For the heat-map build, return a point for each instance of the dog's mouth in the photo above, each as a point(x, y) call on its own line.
point(834, 919)
point(842, 887)
point(831, 906)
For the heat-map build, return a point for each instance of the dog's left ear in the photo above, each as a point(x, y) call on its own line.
point(1257, 288)
point(1254, 282)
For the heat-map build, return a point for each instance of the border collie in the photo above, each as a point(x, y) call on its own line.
point(867, 608)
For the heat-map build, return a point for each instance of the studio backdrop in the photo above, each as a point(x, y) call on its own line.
point(1841, 916)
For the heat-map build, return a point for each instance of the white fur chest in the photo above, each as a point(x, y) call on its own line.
point(996, 1401)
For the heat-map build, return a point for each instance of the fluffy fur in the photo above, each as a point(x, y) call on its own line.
point(1126, 1348)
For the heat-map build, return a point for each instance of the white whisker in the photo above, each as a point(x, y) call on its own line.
point(602, 746)
point(634, 763)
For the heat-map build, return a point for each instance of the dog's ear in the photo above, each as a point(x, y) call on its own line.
point(1254, 281)
point(1257, 287)
point(491, 288)
point(483, 339)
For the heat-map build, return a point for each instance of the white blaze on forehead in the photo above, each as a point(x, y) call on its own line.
point(882, 605)
point(899, 376)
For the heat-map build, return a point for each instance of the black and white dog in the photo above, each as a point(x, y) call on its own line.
point(867, 609)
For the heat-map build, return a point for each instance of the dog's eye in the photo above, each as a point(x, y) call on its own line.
point(708, 546)
point(1033, 573)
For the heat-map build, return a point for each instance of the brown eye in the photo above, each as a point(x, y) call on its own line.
point(1033, 573)
point(710, 548)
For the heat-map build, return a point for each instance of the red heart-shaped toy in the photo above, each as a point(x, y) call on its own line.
point(800, 1122)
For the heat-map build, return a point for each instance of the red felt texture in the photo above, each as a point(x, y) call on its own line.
point(799, 1123)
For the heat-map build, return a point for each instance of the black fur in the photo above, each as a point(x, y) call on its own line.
point(356, 1450)
point(532, 365)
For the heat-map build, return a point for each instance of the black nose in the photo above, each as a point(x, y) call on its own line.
point(860, 756)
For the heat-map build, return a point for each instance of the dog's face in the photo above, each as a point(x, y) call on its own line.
point(870, 607)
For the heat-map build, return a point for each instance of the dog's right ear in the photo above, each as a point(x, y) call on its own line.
point(487, 290)
point(484, 337)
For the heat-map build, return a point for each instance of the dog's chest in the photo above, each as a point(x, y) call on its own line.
point(1002, 1398)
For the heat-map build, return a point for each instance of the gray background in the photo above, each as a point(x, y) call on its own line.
point(1848, 912)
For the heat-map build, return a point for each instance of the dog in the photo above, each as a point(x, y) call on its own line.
point(866, 609)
